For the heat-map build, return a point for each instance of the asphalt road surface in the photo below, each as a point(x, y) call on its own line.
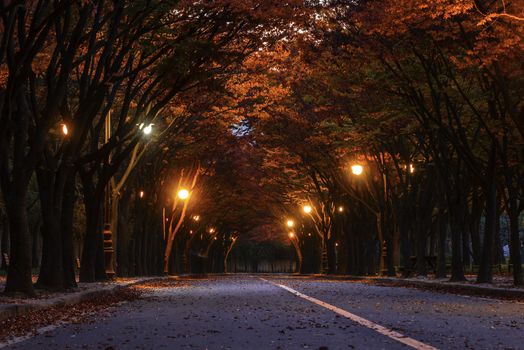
point(277, 312)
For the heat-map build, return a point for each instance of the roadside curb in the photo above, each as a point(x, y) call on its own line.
point(511, 293)
point(13, 310)
point(454, 287)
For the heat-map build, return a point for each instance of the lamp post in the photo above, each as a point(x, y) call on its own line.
point(358, 170)
point(107, 234)
point(308, 209)
point(184, 195)
point(111, 196)
point(294, 240)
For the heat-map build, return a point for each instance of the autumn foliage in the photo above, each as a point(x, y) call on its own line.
point(259, 108)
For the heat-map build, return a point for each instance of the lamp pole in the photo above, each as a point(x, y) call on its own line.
point(294, 240)
point(358, 170)
point(107, 234)
point(324, 235)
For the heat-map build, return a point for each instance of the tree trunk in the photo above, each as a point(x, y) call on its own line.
point(324, 262)
point(405, 245)
point(441, 250)
point(51, 275)
point(514, 243)
point(5, 242)
point(331, 256)
point(390, 256)
point(474, 225)
point(421, 265)
point(92, 266)
point(457, 225)
point(19, 276)
point(512, 205)
point(466, 256)
point(485, 274)
point(122, 249)
point(68, 212)
point(498, 250)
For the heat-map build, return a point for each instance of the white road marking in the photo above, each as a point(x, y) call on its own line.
point(362, 321)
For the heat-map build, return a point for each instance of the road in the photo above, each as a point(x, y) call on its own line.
point(278, 312)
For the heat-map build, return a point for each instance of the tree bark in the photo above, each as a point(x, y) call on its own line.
point(457, 225)
point(5, 242)
point(92, 266)
point(441, 251)
point(485, 274)
point(19, 275)
point(67, 223)
point(514, 243)
point(51, 271)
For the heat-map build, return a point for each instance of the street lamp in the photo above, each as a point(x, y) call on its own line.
point(211, 230)
point(183, 194)
point(357, 169)
point(65, 130)
point(340, 209)
point(146, 129)
point(295, 242)
point(307, 209)
point(141, 194)
point(290, 223)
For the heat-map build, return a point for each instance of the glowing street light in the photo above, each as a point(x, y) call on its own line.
point(357, 169)
point(183, 194)
point(291, 235)
point(307, 209)
point(290, 223)
point(196, 217)
point(211, 230)
point(141, 194)
point(65, 130)
point(148, 129)
point(340, 209)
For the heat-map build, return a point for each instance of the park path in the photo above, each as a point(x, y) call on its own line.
point(279, 312)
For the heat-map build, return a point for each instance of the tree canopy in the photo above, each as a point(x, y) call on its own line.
point(400, 126)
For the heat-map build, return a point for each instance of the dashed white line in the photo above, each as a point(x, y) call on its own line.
point(360, 320)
